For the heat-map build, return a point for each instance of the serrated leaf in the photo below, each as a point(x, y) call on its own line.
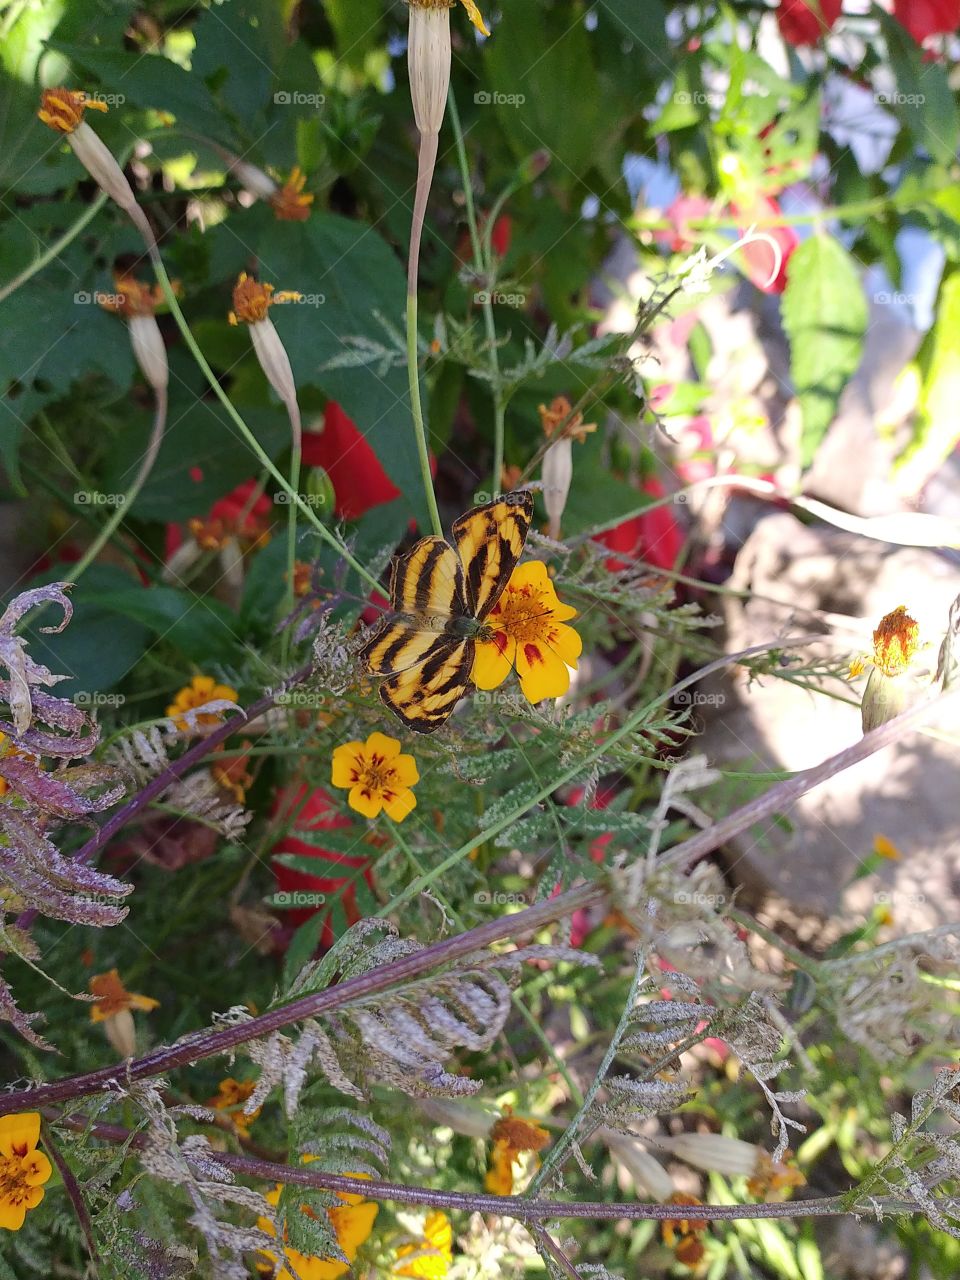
point(825, 316)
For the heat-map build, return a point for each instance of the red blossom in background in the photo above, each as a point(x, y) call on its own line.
point(654, 536)
point(359, 481)
point(806, 21)
point(336, 872)
point(757, 259)
point(683, 210)
point(924, 18)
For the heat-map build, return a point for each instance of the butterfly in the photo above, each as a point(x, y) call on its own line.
point(441, 595)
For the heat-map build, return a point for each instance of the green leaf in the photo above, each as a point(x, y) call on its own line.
point(351, 279)
point(825, 316)
point(199, 626)
point(923, 100)
point(936, 431)
point(149, 80)
point(357, 27)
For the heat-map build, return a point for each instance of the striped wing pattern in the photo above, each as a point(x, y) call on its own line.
point(426, 667)
point(490, 542)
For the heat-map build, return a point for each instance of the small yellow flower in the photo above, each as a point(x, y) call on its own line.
point(62, 109)
point(769, 1177)
point(895, 642)
point(884, 847)
point(558, 411)
point(200, 691)
point(433, 1254)
point(252, 300)
point(289, 202)
point(511, 1135)
point(23, 1169)
point(113, 1007)
point(232, 775)
point(377, 775)
point(230, 1096)
point(352, 1222)
point(525, 630)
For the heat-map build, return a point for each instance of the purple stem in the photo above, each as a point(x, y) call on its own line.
point(206, 1044)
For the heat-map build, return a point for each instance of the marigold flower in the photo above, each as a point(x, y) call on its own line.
point(884, 847)
point(377, 775)
point(62, 110)
point(769, 1177)
point(200, 691)
point(239, 517)
point(525, 631)
point(137, 303)
point(289, 202)
point(674, 1227)
point(113, 1007)
point(511, 1135)
point(352, 1222)
point(251, 302)
point(232, 775)
point(895, 642)
point(429, 1258)
point(23, 1169)
point(558, 411)
point(230, 1096)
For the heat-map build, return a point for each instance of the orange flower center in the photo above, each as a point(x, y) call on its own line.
point(15, 1173)
point(62, 109)
point(523, 614)
point(376, 775)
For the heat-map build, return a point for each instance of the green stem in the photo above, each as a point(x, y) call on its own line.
point(296, 455)
point(483, 269)
point(54, 250)
point(566, 1139)
point(264, 458)
point(416, 410)
point(122, 509)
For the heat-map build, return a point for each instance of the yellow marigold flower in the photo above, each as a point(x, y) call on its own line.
point(113, 1007)
point(230, 1096)
point(895, 642)
point(232, 775)
point(525, 630)
point(430, 1257)
point(511, 1136)
point(352, 1222)
point(200, 691)
point(62, 109)
point(884, 847)
point(252, 300)
point(559, 411)
point(377, 775)
point(289, 202)
point(769, 1177)
point(23, 1169)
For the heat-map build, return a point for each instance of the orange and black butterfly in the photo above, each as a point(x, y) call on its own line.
point(441, 595)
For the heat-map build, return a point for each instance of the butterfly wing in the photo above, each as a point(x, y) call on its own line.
point(424, 694)
point(427, 669)
point(490, 541)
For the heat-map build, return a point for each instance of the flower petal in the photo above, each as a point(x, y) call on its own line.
point(476, 17)
point(403, 802)
point(347, 759)
point(405, 771)
point(364, 801)
point(383, 745)
point(37, 1169)
point(493, 660)
point(566, 643)
point(19, 1132)
point(543, 673)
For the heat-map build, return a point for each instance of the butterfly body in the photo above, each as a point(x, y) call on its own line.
point(441, 595)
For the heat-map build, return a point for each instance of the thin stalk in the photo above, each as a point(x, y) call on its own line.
point(146, 466)
point(483, 268)
point(426, 163)
point(566, 1139)
point(264, 458)
point(296, 457)
point(54, 250)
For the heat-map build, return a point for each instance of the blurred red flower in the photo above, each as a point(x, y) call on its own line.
point(654, 536)
point(806, 21)
point(757, 258)
point(924, 18)
point(336, 872)
point(233, 515)
point(359, 481)
point(684, 209)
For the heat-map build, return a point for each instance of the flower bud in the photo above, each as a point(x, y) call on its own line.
point(648, 1174)
point(319, 487)
point(557, 473)
point(149, 348)
point(122, 1033)
point(715, 1153)
point(273, 358)
point(428, 58)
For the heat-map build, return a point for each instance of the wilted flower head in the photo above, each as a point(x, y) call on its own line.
point(114, 1007)
point(62, 109)
point(559, 411)
point(137, 303)
point(251, 302)
point(289, 202)
point(511, 1136)
point(895, 641)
